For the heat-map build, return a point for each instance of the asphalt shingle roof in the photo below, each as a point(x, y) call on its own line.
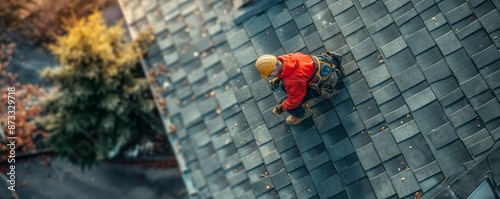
point(417, 106)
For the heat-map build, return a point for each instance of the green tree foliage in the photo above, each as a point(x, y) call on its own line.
point(102, 101)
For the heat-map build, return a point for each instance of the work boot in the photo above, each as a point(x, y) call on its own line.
point(291, 120)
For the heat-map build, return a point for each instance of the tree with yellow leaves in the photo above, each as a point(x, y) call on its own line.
point(103, 100)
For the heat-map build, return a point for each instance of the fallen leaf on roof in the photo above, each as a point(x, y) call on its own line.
point(418, 195)
point(407, 115)
point(172, 129)
point(268, 187)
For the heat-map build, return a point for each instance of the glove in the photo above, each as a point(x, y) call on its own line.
point(274, 82)
point(277, 110)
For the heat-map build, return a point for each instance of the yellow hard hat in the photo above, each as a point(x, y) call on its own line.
point(265, 64)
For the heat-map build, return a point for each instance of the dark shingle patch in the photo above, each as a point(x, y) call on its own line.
point(330, 187)
point(303, 20)
point(243, 138)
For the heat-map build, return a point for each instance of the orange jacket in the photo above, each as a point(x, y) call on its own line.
point(298, 68)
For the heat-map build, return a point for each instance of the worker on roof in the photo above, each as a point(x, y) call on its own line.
point(304, 77)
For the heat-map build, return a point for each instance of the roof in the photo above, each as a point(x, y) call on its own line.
point(417, 106)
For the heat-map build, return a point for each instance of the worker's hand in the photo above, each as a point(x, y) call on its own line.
point(274, 82)
point(277, 110)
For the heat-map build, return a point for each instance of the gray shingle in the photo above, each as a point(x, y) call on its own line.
point(340, 149)
point(256, 25)
point(352, 123)
point(340, 6)
point(330, 187)
point(304, 188)
point(382, 186)
point(363, 49)
point(377, 76)
point(386, 93)
point(448, 43)
point(252, 160)
point(438, 71)
point(368, 156)
point(426, 171)
point(365, 3)
point(407, 16)
point(405, 131)
point(420, 99)
point(385, 144)
point(408, 78)
point(307, 139)
point(361, 189)
point(405, 184)
point(420, 41)
point(294, 44)
point(380, 24)
point(486, 56)
point(458, 13)
point(326, 121)
point(281, 18)
point(489, 21)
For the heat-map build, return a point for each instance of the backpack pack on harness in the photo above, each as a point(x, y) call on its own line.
point(327, 73)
